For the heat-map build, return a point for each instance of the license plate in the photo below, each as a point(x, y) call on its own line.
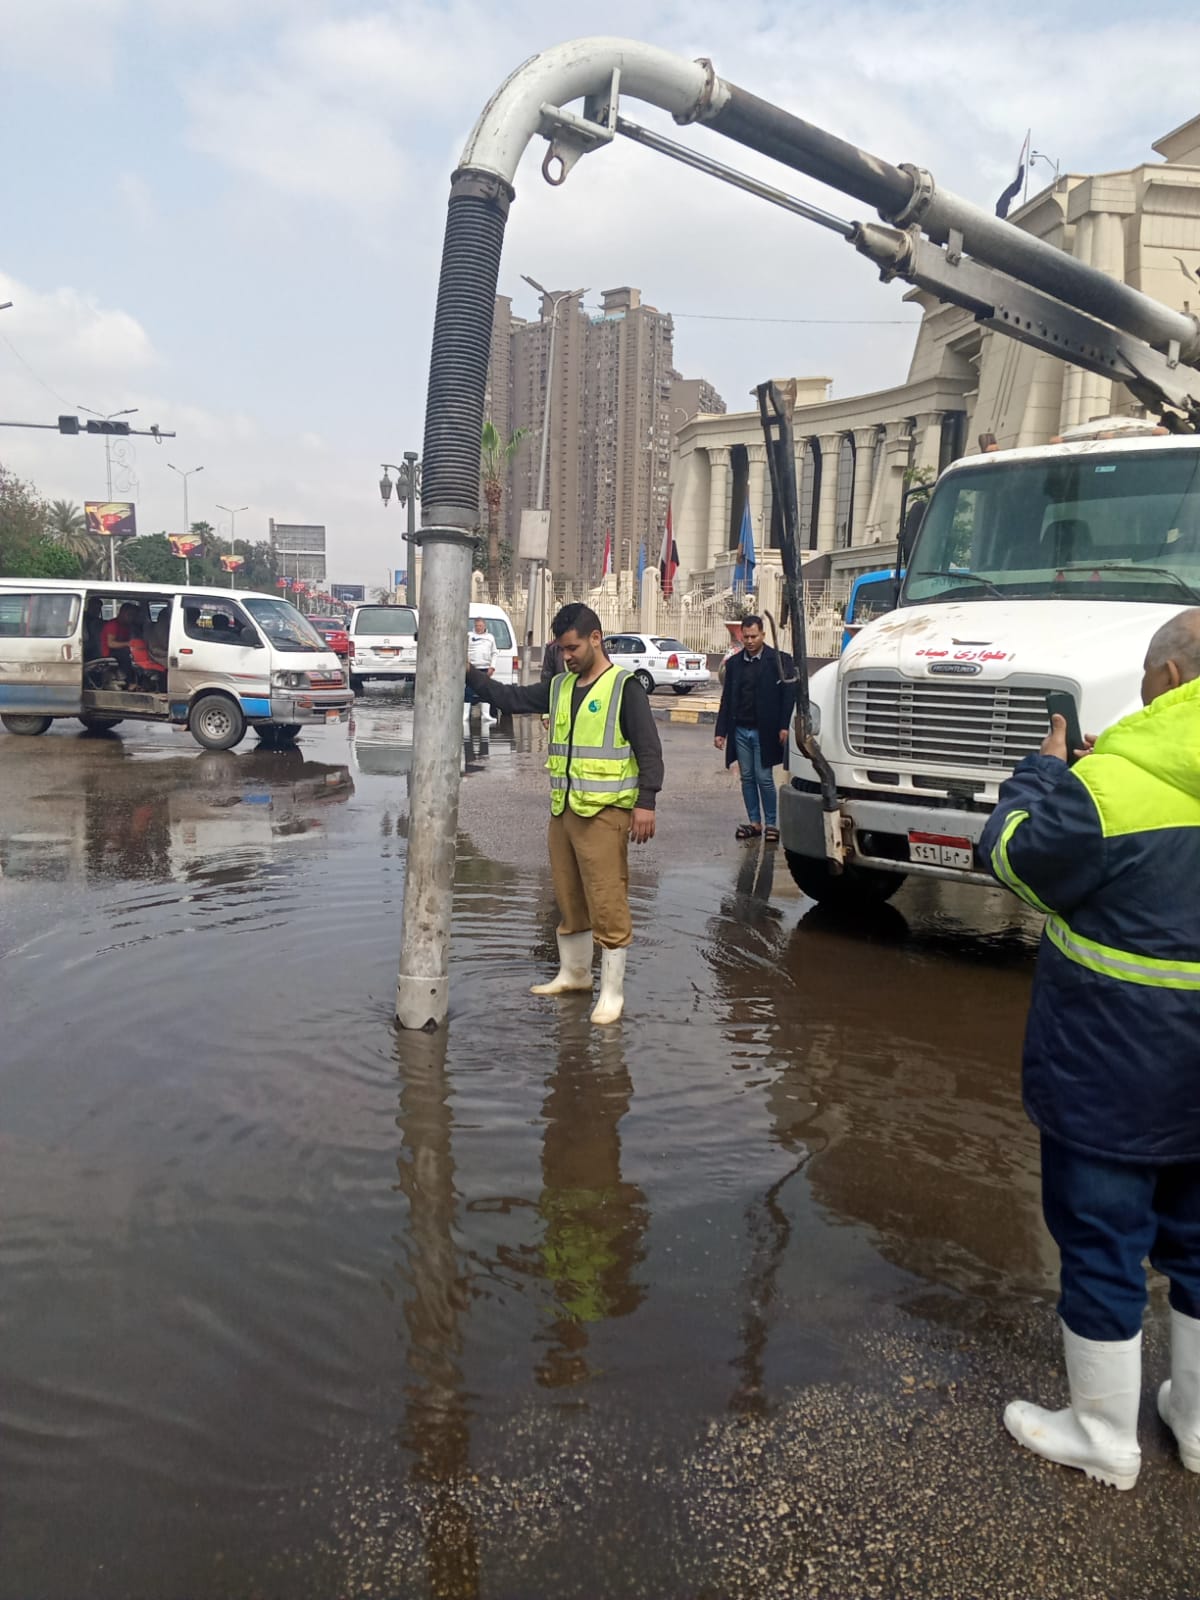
point(693, 666)
point(386, 652)
point(941, 850)
point(333, 716)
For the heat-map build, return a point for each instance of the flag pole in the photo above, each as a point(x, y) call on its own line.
point(1028, 146)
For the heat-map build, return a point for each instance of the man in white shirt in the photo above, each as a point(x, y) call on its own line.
point(481, 653)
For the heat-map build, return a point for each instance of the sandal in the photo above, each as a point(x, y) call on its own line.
point(772, 836)
point(748, 830)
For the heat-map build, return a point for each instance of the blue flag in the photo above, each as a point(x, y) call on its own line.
point(743, 573)
point(641, 564)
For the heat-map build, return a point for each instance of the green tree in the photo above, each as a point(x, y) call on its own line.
point(495, 458)
point(150, 559)
point(67, 526)
point(26, 549)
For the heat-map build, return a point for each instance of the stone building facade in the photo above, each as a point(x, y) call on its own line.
point(856, 455)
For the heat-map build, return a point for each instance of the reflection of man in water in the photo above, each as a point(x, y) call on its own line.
point(594, 1222)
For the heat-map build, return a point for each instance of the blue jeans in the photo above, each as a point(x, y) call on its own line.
point(757, 780)
point(1105, 1218)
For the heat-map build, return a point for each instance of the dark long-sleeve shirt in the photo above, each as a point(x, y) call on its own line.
point(636, 721)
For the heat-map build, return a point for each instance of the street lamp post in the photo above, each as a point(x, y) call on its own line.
point(187, 527)
point(544, 458)
point(408, 492)
point(233, 512)
point(107, 416)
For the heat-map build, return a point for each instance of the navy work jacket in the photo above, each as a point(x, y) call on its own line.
point(1110, 850)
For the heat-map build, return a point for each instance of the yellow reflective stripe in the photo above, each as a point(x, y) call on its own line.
point(1125, 965)
point(1003, 867)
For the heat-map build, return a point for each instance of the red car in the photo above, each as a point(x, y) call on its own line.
point(333, 631)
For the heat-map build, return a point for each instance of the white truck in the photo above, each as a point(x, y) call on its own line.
point(1034, 571)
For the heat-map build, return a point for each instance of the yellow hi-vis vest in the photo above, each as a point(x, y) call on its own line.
point(601, 770)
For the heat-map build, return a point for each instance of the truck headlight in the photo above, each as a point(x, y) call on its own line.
point(289, 680)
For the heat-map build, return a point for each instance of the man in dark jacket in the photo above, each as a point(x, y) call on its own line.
point(1110, 850)
point(752, 725)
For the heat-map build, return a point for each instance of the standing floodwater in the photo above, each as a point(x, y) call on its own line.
point(724, 1300)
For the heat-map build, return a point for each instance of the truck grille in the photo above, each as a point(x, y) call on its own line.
point(944, 724)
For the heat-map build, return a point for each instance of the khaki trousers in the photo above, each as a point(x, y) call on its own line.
point(589, 859)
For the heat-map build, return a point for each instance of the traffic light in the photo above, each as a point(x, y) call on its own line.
point(68, 424)
point(102, 425)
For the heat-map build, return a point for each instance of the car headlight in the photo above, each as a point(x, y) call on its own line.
point(289, 680)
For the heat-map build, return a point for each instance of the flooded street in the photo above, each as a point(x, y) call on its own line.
point(722, 1301)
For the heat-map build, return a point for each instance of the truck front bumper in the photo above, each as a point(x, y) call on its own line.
point(876, 833)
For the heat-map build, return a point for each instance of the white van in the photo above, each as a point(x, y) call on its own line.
point(383, 644)
point(211, 660)
point(507, 662)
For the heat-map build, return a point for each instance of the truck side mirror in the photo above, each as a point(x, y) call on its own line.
point(912, 527)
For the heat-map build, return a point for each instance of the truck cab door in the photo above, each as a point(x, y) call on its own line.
point(41, 651)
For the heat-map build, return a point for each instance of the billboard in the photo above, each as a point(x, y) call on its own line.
point(186, 544)
point(110, 519)
point(350, 594)
point(232, 563)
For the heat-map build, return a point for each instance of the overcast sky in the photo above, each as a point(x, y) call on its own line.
point(228, 213)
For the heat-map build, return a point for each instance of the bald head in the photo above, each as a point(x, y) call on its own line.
point(1173, 656)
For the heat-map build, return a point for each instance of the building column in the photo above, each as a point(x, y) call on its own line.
point(718, 502)
point(757, 454)
point(827, 511)
point(883, 513)
point(928, 440)
point(864, 471)
point(1108, 254)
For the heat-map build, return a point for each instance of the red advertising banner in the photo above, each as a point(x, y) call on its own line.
point(110, 519)
point(232, 563)
point(186, 544)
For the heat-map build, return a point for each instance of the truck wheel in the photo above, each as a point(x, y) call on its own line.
point(644, 678)
point(216, 723)
point(94, 723)
point(27, 725)
point(855, 889)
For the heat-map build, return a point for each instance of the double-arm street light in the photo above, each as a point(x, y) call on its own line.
point(233, 513)
point(187, 526)
point(408, 492)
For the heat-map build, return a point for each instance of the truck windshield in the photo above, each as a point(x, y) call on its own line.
point(1115, 526)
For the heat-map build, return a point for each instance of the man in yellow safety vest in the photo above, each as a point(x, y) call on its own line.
point(606, 768)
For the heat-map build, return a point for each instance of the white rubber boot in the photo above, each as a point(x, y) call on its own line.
point(1097, 1433)
point(612, 988)
point(574, 966)
point(1179, 1397)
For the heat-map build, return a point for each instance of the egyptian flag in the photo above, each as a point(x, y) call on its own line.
point(668, 561)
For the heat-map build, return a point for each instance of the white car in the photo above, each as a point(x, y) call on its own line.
point(659, 662)
point(383, 644)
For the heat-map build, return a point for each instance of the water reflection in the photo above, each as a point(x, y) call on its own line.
point(593, 1221)
point(181, 819)
point(436, 1425)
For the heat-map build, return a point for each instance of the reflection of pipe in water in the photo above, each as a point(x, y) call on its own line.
point(593, 1223)
point(436, 1421)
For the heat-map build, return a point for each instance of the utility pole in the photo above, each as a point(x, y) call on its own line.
point(187, 527)
point(107, 416)
point(544, 459)
point(408, 492)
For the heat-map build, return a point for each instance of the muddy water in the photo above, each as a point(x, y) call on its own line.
point(289, 1305)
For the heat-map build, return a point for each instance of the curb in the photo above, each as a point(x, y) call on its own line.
point(682, 713)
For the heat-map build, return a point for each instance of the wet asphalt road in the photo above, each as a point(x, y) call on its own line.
point(725, 1301)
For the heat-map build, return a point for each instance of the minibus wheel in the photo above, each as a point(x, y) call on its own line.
point(98, 724)
point(216, 722)
point(27, 725)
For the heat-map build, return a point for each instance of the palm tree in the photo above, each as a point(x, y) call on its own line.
point(495, 458)
point(66, 525)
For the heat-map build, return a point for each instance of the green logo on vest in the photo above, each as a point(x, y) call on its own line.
point(593, 705)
